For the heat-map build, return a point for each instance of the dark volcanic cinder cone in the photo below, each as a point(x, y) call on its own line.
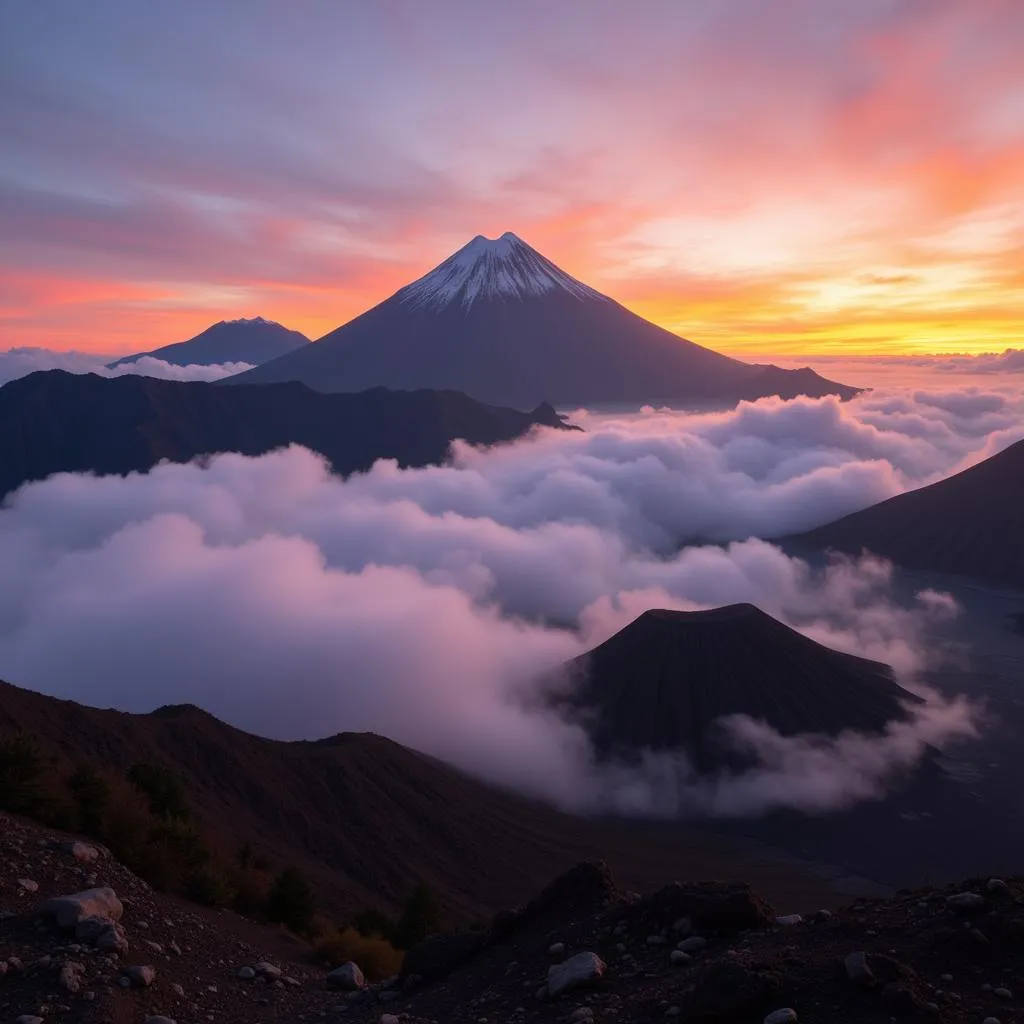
point(664, 681)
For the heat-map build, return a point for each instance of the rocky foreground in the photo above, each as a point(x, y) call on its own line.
point(84, 940)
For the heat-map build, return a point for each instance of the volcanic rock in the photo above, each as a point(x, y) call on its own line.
point(253, 340)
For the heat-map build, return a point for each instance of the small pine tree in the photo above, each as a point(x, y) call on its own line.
point(90, 793)
point(420, 918)
point(291, 900)
point(21, 774)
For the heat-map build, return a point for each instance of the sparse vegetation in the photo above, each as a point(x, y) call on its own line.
point(90, 797)
point(21, 775)
point(374, 923)
point(144, 817)
point(163, 789)
point(376, 957)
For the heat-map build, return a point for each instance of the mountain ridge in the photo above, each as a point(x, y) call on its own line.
point(52, 421)
point(968, 524)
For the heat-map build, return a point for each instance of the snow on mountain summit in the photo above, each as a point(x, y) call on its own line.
point(263, 321)
point(486, 268)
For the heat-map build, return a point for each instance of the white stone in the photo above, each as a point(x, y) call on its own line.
point(28, 885)
point(103, 933)
point(581, 969)
point(966, 901)
point(787, 920)
point(68, 911)
point(857, 968)
point(81, 851)
point(787, 1015)
point(348, 977)
point(70, 977)
point(679, 959)
point(556, 949)
point(140, 976)
point(268, 970)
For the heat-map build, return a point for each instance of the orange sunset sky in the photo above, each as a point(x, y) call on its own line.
point(767, 177)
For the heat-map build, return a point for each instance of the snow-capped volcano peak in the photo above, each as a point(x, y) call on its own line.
point(487, 268)
point(251, 321)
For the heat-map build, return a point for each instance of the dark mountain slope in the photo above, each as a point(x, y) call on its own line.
point(664, 681)
point(504, 324)
point(252, 341)
point(53, 422)
point(971, 524)
point(369, 819)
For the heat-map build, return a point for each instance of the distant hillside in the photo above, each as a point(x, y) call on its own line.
point(971, 524)
point(53, 422)
point(369, 819)
point(251, 341)
point(504, 324)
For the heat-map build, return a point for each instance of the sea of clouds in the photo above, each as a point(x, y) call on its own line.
point(424, 604)
point(19, 362)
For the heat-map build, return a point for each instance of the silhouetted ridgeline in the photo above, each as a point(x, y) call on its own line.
point(53, 421)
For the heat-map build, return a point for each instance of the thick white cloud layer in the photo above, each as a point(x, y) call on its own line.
point(19, 362)
point(423, 604)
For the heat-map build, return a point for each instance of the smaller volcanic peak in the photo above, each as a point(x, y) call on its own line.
point(488, 268)
point(666, 679)
point(254, 340)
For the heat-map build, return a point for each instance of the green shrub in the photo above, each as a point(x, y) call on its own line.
point(208, 886)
